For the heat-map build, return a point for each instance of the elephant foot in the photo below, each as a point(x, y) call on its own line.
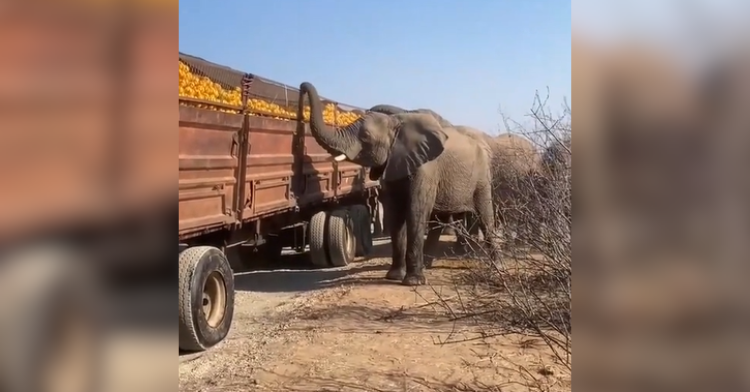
point(428, 262)
point(414, 280)
point(395, 274)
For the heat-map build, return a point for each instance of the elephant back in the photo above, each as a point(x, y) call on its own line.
point(391, 110)
point(483, 139)
point(443, 122)
point(514, 155)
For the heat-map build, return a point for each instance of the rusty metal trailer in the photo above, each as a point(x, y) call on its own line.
point(251, 182)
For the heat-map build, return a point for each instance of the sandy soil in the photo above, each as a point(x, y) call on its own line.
point(350, 330)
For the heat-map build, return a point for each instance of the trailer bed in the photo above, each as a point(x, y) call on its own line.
point(237, 168)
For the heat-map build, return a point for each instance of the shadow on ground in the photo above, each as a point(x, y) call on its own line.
point(293, 272)
point(289, 281)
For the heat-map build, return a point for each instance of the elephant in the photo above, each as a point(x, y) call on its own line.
point(423, 167)
point(437, 224)
point(512, 156)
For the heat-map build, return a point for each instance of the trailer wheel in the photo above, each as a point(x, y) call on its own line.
point(50, 323)
point(342, 245)
point(206, 297)
point(362, 230)
point(317, 229)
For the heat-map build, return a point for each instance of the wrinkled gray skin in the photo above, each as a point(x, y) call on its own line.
point(495, 150)
point(390, 109)
point(511, 155)
point(424, 167)
point(436, 221)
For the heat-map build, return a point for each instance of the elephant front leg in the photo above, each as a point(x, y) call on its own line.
point(421, 202)
point(397, 229)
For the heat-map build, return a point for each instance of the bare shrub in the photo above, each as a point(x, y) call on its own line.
point(527, 288)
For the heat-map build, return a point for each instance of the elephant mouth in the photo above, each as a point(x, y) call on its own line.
point(377, 172)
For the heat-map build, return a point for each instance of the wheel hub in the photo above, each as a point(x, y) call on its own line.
point(214, 299)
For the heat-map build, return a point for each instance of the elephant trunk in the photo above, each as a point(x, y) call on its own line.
point(335, 141)
point(387, 109)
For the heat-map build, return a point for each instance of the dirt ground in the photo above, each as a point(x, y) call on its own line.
point(350, 330)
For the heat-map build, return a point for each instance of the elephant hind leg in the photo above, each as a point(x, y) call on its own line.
point(432, 243)
point(460, 221)
point(468, 231)
point(485, 212)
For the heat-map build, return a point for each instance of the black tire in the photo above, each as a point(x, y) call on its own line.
point(362, 231)
point(205, 276)
point(342, 244)
point(317, 230)
point(52, 300)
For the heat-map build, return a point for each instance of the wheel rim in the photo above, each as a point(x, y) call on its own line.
point(70, 360)
point(214, 299)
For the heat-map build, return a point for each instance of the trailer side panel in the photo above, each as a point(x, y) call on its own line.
point(208, 151)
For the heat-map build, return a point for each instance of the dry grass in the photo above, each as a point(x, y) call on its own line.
point(363, 334)
point(481, 325)
point(526, 289)
point(385, 338)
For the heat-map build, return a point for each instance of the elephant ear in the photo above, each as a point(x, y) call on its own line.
point(419, 139)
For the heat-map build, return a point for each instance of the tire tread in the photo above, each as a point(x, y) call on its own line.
point(339, 231)
point(317, 232)
point(191, 338)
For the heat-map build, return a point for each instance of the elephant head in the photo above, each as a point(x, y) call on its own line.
point(394, 147)
point(391, 110)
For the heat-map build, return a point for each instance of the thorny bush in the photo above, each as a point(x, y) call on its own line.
point(526, 288)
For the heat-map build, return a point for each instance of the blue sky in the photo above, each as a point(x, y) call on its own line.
point(463, 59)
